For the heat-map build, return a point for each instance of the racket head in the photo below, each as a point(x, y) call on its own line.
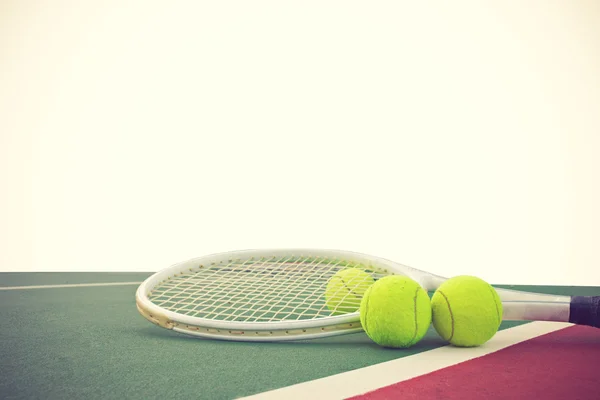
point(260, 295)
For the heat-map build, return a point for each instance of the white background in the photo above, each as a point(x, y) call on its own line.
point(458, 137)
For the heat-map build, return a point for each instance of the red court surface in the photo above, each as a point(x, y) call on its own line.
point(556, 366)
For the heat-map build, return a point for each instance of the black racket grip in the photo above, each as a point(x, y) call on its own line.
point(585, 310)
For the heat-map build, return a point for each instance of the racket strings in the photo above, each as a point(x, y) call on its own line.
point(262, 300)
point(245, 285)
point(251, 290)
point(216, 299)
point(210, 277)
point(280, 299)
point(298, 301)
point(209, 285)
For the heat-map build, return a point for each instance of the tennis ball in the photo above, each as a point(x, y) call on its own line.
point(345, 290)
point(395, 312)
point(467, 311)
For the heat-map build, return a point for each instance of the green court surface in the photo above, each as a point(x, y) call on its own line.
point(90, 342)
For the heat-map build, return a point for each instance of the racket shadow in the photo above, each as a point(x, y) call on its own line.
point(153, 333)
point(361, 339)
point(354, 340)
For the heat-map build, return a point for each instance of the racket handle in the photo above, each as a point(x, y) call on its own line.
point(585, 310)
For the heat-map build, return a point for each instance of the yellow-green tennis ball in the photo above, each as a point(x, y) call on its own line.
point(345, 290)
point(467, 311)
point(395, 312)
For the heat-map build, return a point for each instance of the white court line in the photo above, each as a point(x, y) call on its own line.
point(363, 380)
point(69, 285)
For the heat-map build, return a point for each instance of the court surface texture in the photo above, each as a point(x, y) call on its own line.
point(79, 335)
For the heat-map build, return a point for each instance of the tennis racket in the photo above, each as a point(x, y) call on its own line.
point(277, 295)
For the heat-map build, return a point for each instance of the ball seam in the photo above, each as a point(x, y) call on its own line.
point(451, 315)
point(366, 300)
point(416, 319)
point(495, 303)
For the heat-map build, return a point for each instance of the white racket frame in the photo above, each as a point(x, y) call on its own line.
point(517, 305)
